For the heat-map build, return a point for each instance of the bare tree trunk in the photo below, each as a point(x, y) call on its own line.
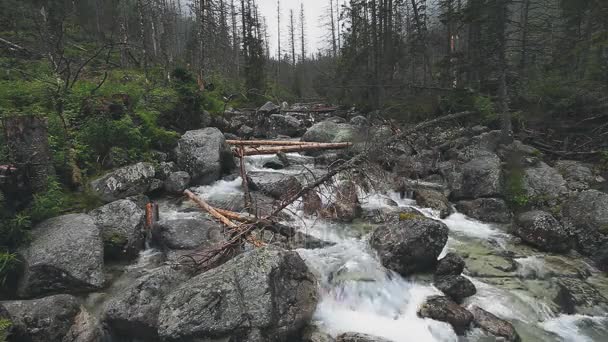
point(142, 36)
point(302, 32)
point(334, 46)
point(292, 37)
point(503, 106)
point(523, 61)
point(278, 39)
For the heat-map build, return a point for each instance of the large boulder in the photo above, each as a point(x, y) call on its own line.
point(66, 255)
point(541, 181)
point(435, 200)
point(127, 181)
point(494, 325)
point(133, 311)
point(411, 245)
point(576, 296)
point(43, 320)
point(285, 125)
point(187, 234)
point(486, 209)
point(417, 166)
point(266, 293)
point(577, 175)
point(122, 228)
point(443, 309)
point(586, 214)
point(542, 230)
point(177, 182)
point(450, 264)
point(204, 154)
point(329, 132)
point(273, 184)
point(456, 287)
point(481, 177)
point(358, 337)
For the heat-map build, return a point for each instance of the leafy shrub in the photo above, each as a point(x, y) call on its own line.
point(49, 203)
point(5, 326)
point(516, 195)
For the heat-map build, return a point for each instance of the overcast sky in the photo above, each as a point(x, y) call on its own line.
point(315, 10)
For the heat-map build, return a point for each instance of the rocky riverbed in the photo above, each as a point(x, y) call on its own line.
point(446, 235)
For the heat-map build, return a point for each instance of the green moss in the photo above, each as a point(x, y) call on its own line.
point(515, 193)
point(409, 216)
point(5, 326)
point(115, 240)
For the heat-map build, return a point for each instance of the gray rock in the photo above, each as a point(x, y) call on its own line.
point(312, 203)
point(456, 287)
point(575, 296)
point(481, 177)
point(329, 132)
point(345, 206)
point(359, 121)
point(313, 334)
point(177, 182)
point(285, 125)
point(543, 181)
point(245, 132)
point(133, 312)
point(275, 163)
point(443, 309)
point(542, 230)
point(578, 175)
point(267, 291)
point(122, 228)
point(164, 169)
point(435, 200)
point(586, 214)
point(358, 337)
point(86, 328)
point(411, 245)
point(269, 108)
point(187, 234)
point(42, 320)
point(486, 209)
point(450, 264)
point(205, 155)
point(127, 181)
point(273, 184)
point(66, 255)
point(417, 166)
point(494, 325)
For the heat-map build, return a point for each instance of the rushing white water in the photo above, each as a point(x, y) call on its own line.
point(357, 294)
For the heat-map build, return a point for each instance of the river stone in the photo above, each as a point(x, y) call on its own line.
point(456, 287)
point(578, 175)
point(443, 309)
point(314, 334)
point(273, 184)
point(450, 264)
point(586, 213)
point(358, 337)
point(411, 245)
point(486, 209)
point(133, 312)
point(269, 108)
point(187, 234)
point(481, 177)
point(42, 320)
point(86, 328)
point(329, 132)
point(164, 169)
point(417, 166)
point(275, 163)
point(494, 325)
point(346, 206)
point(127, 181)
point(542, 230)
point(576, 296)
point(435, 200)
point(285, 125)
point(204, 154)
point(177, 182)
point(245, 131)
point(267, 290)
point(543, 181)
point(122, 228)
point(66, 254)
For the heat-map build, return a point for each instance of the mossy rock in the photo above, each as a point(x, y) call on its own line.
point(409, 216)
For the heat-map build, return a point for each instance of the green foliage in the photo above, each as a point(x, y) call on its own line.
point(515, 193)
point(8, 262)
point(49, 203)
point(409, 216)
point(5, 326)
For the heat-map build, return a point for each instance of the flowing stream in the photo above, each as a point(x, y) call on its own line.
point(358, 295)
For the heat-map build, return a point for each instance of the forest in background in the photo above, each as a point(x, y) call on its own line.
point(118, 80)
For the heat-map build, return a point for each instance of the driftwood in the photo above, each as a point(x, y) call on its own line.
point(252, 151)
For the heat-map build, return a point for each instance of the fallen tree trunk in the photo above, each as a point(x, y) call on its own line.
point(267, 142)
point(251, 151)
point(270, 225)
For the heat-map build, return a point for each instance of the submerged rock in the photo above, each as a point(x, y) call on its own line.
point(42, 320)
point(456, 287)
point(66, 255)
point(273, 184)
point(358, 337)
point(411, 245)
point(267, 293)
point(204, 154)
point(494, 325)
point(486, 209)
point(133, 312)
point(127, 181)
point(542, 230)
point(122, 228)
point(443, 309)
point(450, 264)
